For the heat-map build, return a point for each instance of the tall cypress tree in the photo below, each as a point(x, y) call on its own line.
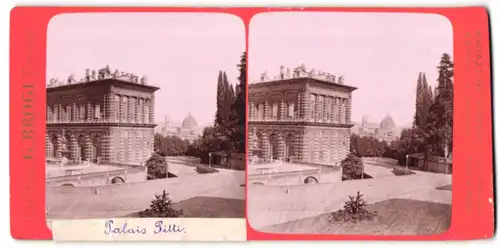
point(238, 109)
point(219, 119)
point(228, 100)
point(418, 101)
point(426, 102)
point(423, 102)
point(431, 94)
point(440, 121)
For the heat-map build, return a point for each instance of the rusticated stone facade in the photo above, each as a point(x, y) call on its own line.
point(105, 120)
point(301, 119)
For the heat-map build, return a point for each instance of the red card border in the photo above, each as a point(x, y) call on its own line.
point(472, 196)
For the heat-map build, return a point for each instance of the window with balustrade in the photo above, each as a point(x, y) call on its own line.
point(124, 109)
point(320, 107)
point(146, 111)
point(97, 111)
point(291, 110)
point(312, 106)
point(260, 114)
point(274, 113)
point(328, 111)
point(55, 114)
point(81, 113)
point(67, 116)
point(133, 106)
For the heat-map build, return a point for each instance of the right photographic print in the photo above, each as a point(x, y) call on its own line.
point(350, 122)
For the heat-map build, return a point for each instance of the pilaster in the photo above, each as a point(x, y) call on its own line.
point(58, 146)
point(48, 145)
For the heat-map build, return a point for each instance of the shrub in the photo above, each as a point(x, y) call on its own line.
point(402, 172)
point(202, 169)
point(157, 167)
point(161, 207)
point(354, 211)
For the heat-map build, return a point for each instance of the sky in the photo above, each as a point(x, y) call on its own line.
point(380, 53)
point(181, 53)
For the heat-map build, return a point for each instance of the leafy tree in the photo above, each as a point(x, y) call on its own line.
point(157, 167)
point(367, 146)
point(351, 167)
point(161, 207)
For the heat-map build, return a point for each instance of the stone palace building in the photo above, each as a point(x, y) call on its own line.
point(103, 118)
point(302, 117)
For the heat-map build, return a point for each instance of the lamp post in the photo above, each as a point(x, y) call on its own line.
point(209, 159)
point(362, 167)
point(407, 161)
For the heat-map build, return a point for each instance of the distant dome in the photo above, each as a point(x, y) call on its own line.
point(387, 123)
point(189, 122)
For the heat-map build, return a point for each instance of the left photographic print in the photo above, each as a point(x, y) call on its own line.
point(145, 119)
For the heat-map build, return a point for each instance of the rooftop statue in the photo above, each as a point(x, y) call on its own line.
point(52, 82)
point(341, 80)
point(263, 76)
point(116, 74)
point(71, 79)
point(303, 68)
point(144, 80)
point(87, 75)
point(312, 72)
point(288, 73)
point(104, 72)
point(282, 72)
point(94, 75)
point(135, 79)
point(296, 72)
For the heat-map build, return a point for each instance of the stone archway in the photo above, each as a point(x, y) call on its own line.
point(54, 146)
point(290, 147)
point(65, 145)
point(273, 146)
point(96, 147)
point(117, 180)
point(82, 151)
